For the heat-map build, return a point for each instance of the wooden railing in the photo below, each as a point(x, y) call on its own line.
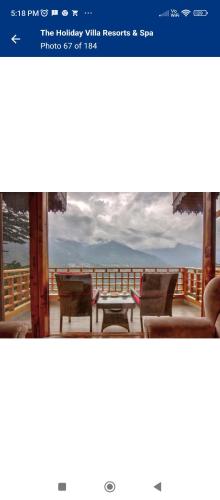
point(189, 285)
point(114, 279)
point(17, 288)
point(17, 282)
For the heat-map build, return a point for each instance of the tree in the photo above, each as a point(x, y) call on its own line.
point(14, 265)
point(15, 226)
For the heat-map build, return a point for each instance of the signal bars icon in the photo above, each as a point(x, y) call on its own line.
point(165, 14)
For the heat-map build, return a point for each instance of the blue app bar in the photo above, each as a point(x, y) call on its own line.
point(77, 28)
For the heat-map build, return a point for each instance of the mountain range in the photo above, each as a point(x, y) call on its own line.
point(67, 253)
point(112, 253)
point(180, 255)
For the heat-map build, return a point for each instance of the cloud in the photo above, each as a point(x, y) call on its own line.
point(141, 220)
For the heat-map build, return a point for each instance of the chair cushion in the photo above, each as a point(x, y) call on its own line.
point(13, 329)
point(178, 327)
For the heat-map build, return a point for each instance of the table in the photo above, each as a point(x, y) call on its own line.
point(115, 310)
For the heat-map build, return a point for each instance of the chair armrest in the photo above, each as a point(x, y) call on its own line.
point(178, 327)
point(95, 295)
point(13, 329)
point(135, 292)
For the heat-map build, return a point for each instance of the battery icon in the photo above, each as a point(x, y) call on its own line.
point(200, 13)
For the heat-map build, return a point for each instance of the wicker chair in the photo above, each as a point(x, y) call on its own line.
point(156, 294)
point(76, 296)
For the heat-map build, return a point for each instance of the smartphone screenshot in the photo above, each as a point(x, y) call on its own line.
point(109, 250)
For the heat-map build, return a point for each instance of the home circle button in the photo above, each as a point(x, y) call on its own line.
point(109, 486)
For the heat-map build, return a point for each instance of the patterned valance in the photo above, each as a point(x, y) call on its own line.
point(188, 202)
point(19, 202)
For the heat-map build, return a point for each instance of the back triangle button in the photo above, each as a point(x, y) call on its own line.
point(158, 486)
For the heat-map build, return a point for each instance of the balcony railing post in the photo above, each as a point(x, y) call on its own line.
point(198, 286)
point(20, 287)
point(12, 293)
point(185, 281)
point(191, 282)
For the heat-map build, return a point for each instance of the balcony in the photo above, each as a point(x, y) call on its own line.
point(187, 298)
point(17, 283)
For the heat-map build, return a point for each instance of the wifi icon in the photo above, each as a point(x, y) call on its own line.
point(186, 12)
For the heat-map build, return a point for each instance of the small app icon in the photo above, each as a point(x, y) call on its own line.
point(75, 12)
point(158, 486)
point(65, 12)
point(54, 12)
point(44, 12)
point(186, 12)
point(199, 13)
point(61, 486)
point(109, 486)
point(165, 14)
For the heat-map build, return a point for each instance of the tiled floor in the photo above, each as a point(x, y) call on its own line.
point(180, 308)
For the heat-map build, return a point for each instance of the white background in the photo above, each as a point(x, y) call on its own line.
point(114, 124)
point(133, 411)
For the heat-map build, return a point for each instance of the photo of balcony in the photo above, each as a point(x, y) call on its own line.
point(58, 287)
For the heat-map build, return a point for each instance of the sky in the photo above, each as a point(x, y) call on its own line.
point(140, 220)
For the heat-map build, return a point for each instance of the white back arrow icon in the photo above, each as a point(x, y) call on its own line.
point(15, 39)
